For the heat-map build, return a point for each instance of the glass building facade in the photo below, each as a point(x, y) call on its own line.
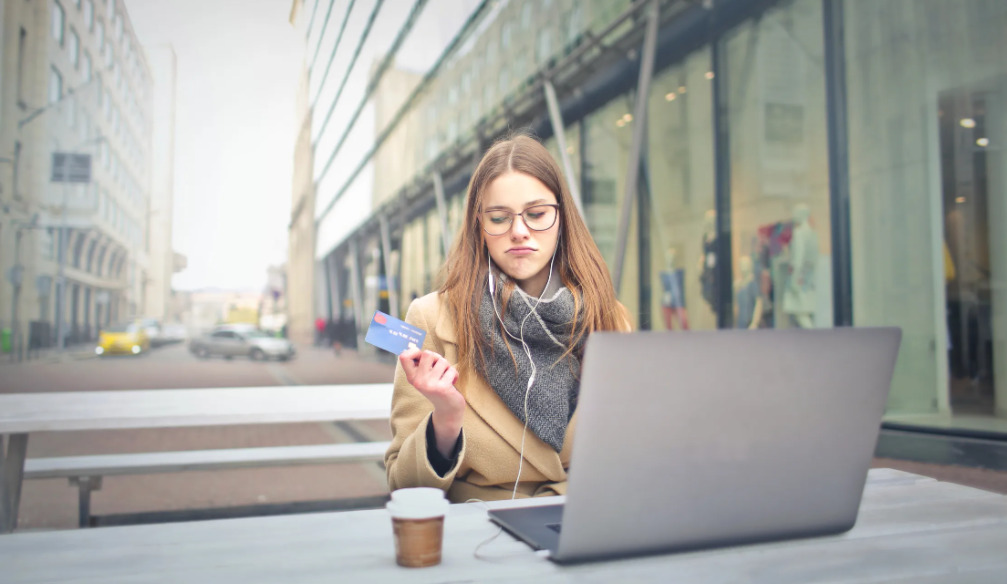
point(805, 163)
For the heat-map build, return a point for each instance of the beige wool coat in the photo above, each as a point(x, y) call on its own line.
point(491, 434)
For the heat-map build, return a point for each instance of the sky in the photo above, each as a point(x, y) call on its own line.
point(238, 67)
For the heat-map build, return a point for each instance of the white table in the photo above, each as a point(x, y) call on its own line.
point(22, 414)
point(910, 529)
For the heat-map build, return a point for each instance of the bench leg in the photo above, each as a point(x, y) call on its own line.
point(12, 456)
point(84, 487)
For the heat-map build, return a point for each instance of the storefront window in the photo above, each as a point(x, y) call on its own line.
point(681, 181)
point(572, 138)
point(927, 91)
point(411, 267)
point(456, 215)
point(779, 170)
point(607, 136)
point(434, 248)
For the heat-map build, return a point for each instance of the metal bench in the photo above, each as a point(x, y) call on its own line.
point(86, 472)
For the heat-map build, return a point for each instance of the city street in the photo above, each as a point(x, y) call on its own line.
point(52, 503)
point(172, 366)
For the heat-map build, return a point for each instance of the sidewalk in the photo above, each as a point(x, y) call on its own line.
point(316, 355)
point(315, 365)
point(74, 352)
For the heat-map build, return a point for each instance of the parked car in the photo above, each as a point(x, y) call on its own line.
point(153, 328)
point(128, 338)
point(241, 341)
point(174, 333)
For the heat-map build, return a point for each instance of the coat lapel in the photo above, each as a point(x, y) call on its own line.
point(485, 402)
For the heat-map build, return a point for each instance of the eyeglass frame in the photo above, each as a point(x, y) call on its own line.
point(523, 220)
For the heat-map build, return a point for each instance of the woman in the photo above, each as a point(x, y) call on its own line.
point(524, 285)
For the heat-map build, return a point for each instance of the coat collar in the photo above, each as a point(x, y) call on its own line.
point(444, 328)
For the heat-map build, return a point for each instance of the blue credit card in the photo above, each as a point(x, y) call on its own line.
point(393, 335)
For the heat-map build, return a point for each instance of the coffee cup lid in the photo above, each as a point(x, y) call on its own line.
point(417, 495)
point(417, 510)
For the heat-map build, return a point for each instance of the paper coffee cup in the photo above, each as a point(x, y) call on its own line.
point(418, 524)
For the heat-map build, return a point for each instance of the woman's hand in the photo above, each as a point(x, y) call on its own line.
point(434, 377)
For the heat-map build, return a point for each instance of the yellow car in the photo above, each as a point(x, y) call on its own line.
point(129, 338)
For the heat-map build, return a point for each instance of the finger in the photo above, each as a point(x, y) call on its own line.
point(427, 360)
point(435, 361)
point(440, 368)
point(452, 375)
point(434, 355)
point(410, 355)
point(408, 365)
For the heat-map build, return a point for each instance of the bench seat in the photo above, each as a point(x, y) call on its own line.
point(86, 472)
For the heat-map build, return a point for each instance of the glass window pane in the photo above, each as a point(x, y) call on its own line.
point(74, 47)
point(55, 85)
point(681, 172)
point(572, 138)
point(543, 49)
point(57, 22)
point(927, 114)
point(89, 14)
point(781, 238)
point(607, 136)
point(434, 249)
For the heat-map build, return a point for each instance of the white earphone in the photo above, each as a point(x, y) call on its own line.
point(524, 346)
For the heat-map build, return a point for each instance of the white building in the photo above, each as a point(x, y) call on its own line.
point(76, 80)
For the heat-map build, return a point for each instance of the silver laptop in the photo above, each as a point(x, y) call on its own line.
point(703, 439)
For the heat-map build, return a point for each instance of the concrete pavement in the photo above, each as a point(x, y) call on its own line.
point(75, 352)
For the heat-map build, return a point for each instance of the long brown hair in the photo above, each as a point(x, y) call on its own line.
point(579, 262)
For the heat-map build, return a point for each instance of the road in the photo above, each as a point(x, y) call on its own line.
point(52, 503)
point(173, 366)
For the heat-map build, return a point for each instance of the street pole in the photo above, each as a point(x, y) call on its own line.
point(61, 270)
point(18, 279)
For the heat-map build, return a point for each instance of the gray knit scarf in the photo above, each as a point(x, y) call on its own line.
point(553, 397)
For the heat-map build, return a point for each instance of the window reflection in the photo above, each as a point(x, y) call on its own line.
point(779, 170)
point(928, 202)
point(608, 133)
point(680, 161)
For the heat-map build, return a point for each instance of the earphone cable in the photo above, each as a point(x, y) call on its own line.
point(525, 347)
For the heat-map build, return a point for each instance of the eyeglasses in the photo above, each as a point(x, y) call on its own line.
point(537, 218)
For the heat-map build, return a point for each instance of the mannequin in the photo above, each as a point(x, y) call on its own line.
point(799, 295)
point(708, 261)
point(673, 298)
point(748, 301)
